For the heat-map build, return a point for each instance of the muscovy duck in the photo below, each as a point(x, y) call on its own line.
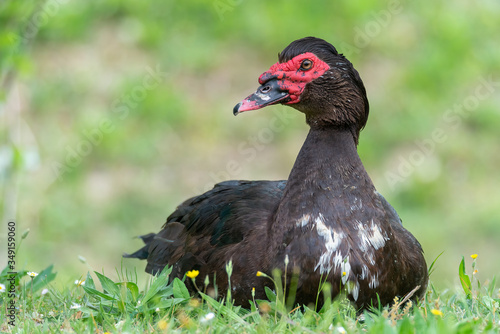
point(327, 219)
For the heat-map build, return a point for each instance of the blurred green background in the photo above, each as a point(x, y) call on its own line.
point(91, 156)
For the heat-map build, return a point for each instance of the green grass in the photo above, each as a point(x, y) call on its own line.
point(97, 303)
point(60, 82)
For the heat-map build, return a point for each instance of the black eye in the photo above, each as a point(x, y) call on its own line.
point(306, 65)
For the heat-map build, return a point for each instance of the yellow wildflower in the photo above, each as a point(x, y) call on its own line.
point(194, 302)
point(260, 273)
point(473, 256)
point(192, 273)
point(162, 324)
point(344, 273)
point(437, 312)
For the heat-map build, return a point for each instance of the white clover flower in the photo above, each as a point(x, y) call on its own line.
point(341, 330)
point(75, 306)
point(32, 274)
point(208, 317)
point(44, 291)
point(2, 288)
point(119, 324)
point(51, 313)
point(79, 282)
point(37, 315)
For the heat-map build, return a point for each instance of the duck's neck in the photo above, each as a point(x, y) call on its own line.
point(327, 179)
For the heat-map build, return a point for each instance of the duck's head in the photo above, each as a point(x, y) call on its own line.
point(314, 78)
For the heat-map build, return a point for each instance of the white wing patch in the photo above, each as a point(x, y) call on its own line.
point(364, 272)
point(377, 239)
point(370, 237)
point(332, 240)
point(357, 205)
point(373, 281)
point(304, 220)
point(353, 289)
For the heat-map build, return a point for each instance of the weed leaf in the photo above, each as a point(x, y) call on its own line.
point(464, 279)
point(108, 285)
point(159, 282)
point(180, 290)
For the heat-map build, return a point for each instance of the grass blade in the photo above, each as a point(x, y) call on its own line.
point(159, 283)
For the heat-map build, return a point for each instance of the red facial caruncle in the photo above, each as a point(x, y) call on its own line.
point(293, 76)
point(284, 82)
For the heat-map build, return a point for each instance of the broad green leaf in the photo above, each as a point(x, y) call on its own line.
point(95, 292)
point(270, 294)
point(108, 285)
point(180, 290)
point(167, 303)
point(159, 282)
point(89, 281)
point(132, 287)
point(406, 326)
point(464, 279)
point(43, 278)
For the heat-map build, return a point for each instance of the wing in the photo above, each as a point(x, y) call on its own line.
point(202, 229)
point(391, 213)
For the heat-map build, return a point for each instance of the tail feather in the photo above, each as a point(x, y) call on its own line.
point(166, 247)
point(142, 253)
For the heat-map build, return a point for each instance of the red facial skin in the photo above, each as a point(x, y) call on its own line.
point(291, 78)
point(290, 81)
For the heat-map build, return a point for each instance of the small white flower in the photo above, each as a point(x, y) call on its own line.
point(208, 317)
point(78, 282)
point(341, 330)
point(75, 306)
point(119, 324)
point(2, 288)
point(37, 315)
point(157, 310)
point(44, 291)
point(51, 313)
point(32, 274)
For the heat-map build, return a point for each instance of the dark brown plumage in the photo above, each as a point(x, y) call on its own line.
point(327, 218)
